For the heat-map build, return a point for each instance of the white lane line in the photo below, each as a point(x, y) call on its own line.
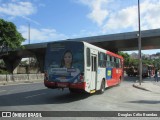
point(35, 95)
point(3, 90)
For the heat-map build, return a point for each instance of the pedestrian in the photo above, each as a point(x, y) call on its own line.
point(150, 74)
point(156, 75)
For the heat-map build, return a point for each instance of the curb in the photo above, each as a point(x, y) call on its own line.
point(139, 87)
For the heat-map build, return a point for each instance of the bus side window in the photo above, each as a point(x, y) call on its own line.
point(99, 63)
point(106, 60)
point(88, 57)
point(109, 61)
point(102, 60)
point(112, 62)
point(117, 63)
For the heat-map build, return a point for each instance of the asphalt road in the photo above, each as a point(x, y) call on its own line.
point(35, 97)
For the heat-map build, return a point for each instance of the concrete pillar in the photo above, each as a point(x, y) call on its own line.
point(40, 59)
point(11, 63)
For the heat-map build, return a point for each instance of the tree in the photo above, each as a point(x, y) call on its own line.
point(126, 57)
point(9, 36)
point(133, 62)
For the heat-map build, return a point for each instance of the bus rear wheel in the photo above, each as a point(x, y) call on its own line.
point(120, 80)
point(72, 90)
point(102, 89)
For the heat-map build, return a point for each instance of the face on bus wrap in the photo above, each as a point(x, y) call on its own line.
point(67, 59)
point(64, 62)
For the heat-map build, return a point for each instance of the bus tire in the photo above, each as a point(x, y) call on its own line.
point(72, 90)
point(102, 89)
point(120, 80)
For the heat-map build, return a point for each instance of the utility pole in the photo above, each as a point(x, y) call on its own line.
point(28, 33)
point(29, 43)
point(139, 46)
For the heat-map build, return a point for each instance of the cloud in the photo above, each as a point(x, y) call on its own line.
point(98, 13)
point(40, 35)
point(127, 18)
point(122, 19)
point(17, 8)
point(150, 14)
point(111, 17)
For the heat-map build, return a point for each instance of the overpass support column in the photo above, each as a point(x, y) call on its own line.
point(11, 63)
point(40, 59)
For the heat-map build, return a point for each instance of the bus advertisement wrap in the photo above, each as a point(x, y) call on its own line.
point(80, 66)
point(64, 62)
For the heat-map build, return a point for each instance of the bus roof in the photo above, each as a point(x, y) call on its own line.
point(102, 50)
point(93, 47)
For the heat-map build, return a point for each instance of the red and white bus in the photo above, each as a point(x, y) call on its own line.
point(148, 70)
point(81, 66)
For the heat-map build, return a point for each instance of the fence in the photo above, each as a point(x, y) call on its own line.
point(11, 78)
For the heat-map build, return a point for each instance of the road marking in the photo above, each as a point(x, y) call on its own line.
point(3, 90)
point(35, 95)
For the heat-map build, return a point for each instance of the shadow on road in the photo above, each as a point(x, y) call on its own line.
point(145, 102)
point(43, 96)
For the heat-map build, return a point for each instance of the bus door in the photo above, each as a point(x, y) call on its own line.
point(93, 71)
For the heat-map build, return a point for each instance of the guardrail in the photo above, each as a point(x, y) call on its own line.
point(15, 78)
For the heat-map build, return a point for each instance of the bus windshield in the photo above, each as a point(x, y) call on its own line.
point(64, 61)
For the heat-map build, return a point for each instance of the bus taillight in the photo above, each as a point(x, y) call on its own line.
point(81, 77)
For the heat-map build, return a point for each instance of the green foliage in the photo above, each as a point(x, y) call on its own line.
point(3, 71)
point(126, 58)
point(9, 36)
point(133, 62)
point(2, 64)
point(156, 63)
point(128, 61)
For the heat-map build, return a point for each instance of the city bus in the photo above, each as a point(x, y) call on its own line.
point(81, 66)
point(147, 70)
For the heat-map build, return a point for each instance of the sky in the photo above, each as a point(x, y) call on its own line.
point(52, 20)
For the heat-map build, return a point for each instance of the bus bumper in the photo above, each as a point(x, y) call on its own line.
point(53, 85)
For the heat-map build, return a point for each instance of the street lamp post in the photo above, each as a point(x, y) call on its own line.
point(139, 46)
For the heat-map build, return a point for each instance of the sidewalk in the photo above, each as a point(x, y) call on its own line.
point(19, 82)
point(151, 86)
